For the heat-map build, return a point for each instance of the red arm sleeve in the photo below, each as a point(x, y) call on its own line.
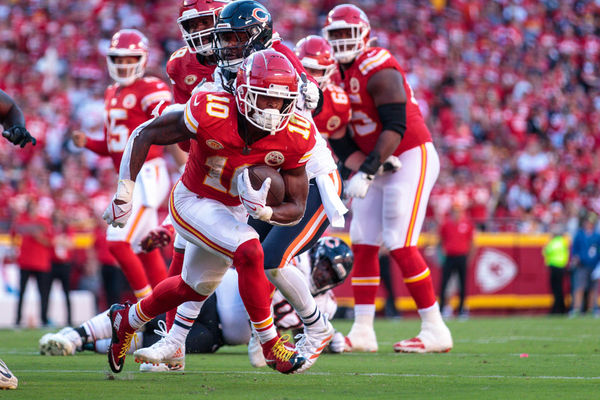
point(97, 146)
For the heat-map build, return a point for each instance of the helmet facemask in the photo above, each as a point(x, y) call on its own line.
point(328, 70)
point(267, 119)
point(198, 41)
point(346, 49)
point(248, 40)
point(125, 74)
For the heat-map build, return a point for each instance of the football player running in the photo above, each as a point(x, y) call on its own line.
point(128, 102)
point(210, 204)
point(188, 67)
point(389, 208)
point(242, 28)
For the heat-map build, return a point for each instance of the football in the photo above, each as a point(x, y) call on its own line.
point(257, 175)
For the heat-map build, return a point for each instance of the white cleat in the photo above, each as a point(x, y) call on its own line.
point(255, 351)
point(432, 339)
point(66, 342)
point(361, 338)
point(147, 367)
point(166, 351)
point(7, 379)
point(312, 343)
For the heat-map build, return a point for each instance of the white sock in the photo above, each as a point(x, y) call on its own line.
point(364, 314)
point(431, 314)
point(98, 327)
point(184, 319)
point(293, 285)
point(265, 329)
point(136, 318)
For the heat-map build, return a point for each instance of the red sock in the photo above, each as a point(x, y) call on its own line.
point(131, 266)
point(174, 270)
point(365, 273)
point(254, 287)
point(154, 264)
point(416, 275)
point(168, 294)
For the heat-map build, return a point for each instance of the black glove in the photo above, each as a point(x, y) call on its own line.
point(18, 135)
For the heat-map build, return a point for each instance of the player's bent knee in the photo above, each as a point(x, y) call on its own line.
point(249, 253)
point(204, 288)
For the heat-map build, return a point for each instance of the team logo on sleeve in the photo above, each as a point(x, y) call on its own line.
point(129, 101)
point(190, 79)
point(213, 144)
point(274, 158)
point(333, 123)
point(354, 85)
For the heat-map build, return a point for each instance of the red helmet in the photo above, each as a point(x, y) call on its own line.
point(268, 73)
point(347, 16)
point(315, 53)
point(127, 43)
point(199, 41)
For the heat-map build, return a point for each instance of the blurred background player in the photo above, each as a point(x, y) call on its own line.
point(316, 56)
point(389, 208)
point(244, 27)
point(207, 207)
point(129, 102)
point(13, 123)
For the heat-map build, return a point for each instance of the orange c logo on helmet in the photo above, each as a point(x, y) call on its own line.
point(265, 16)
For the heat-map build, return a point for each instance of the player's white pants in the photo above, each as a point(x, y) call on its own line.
point(213, 232)
point(393, 210)
point(151, 190)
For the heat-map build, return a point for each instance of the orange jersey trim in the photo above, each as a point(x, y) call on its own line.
point(415, 210)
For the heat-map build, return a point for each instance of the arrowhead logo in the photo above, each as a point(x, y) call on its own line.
point(494, 270)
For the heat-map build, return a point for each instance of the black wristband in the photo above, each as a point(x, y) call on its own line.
point(371, 163)
point(343, 146)
point(393, 117)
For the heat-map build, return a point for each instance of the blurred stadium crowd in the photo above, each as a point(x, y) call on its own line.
point(510, 90)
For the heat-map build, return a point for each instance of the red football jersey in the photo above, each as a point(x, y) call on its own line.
point(217, 157)
point(186, 72)
point(365, 121)
point(336, 111)
point(125, 108)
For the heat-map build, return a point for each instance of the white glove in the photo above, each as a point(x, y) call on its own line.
point(118, 214)
point(254, 200)
point(391, 164)
point(338, 343)
point(310, 93)
point(358, 185)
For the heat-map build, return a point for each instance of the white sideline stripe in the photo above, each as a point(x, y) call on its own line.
point(542, 377)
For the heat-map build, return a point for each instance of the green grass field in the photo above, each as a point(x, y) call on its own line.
point(563, 363)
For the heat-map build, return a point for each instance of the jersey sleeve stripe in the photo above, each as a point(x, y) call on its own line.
point(305, 157)
point(155, 98)
point(190, 121)
point(374, 62)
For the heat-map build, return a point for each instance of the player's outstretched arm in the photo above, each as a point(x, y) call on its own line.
point(13, 121)
point(167, 129)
